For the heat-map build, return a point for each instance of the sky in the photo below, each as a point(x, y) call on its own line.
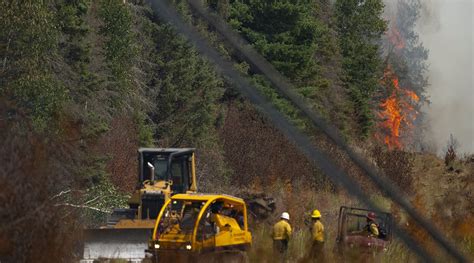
point(446, 30)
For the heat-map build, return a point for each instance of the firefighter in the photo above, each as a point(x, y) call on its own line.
point(317, 237)
point(372, 227)
point(216, 209)
point(281, 234)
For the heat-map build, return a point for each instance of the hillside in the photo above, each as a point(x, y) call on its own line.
point(84, 84)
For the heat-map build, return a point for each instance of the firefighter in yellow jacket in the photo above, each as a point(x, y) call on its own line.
point(317, 237)
point(372, 227)
point(281, 234)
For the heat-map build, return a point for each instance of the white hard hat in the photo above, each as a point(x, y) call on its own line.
point(285, 215)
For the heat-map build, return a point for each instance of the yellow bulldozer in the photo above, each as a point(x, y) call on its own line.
point(201, 228)
point(162, 173)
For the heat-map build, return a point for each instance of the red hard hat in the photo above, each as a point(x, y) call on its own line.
point(371, 216)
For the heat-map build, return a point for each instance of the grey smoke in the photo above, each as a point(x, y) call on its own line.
point(446, 29)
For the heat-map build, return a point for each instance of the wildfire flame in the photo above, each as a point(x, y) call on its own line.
point(397, 110)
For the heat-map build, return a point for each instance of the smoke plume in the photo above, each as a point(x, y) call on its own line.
point(443, 29)
point(446, 28)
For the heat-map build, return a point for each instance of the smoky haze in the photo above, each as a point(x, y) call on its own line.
point(446, 30)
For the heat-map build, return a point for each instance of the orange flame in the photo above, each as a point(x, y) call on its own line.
point(412, 95)
point(397, 111)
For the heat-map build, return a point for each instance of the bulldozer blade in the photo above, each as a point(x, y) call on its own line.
point(110, 243)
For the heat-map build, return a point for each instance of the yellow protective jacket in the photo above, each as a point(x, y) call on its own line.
point(223, 221)
point(281, 230)
point(317, 231)
point(373, 229)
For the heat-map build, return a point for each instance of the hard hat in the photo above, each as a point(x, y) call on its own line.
point(316, 214)
point(285, 215)
point(371, 216)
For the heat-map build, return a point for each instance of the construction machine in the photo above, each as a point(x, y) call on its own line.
point(162, 173)
point(353, 235)
point(201, 228)
point(260, 205)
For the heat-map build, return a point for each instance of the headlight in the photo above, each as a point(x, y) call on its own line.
point(157, 246)
point(188, 247)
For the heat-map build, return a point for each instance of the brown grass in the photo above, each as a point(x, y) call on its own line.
point(397, 165)
point(328, 203)
point(257, 152)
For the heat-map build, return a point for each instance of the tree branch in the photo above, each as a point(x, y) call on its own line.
point(92, 200)
point(60, 194)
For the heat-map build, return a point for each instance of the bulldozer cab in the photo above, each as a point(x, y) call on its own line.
point(197, 223)
point(162, 172)
point(167, 167)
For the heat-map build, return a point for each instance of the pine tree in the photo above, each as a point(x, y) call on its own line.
point(360, 27)
point(287, 33)
point(186, 91)
point(28, 50)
